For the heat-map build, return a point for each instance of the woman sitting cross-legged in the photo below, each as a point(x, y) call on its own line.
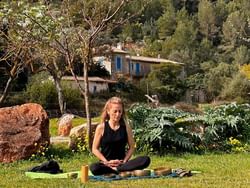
point(111, 139)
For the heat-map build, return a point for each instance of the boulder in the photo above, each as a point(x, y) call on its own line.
point(23, 130)
point(65, 124)
point(78, 131)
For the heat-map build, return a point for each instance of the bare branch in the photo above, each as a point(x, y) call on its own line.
point(106, 20)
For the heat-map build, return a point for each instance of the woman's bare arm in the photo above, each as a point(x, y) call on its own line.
point(96, 143)
point(131, 143)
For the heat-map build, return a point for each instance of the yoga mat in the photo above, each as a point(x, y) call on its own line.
point(38, 175)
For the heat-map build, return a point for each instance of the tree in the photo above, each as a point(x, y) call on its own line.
point(207, 19)
point(152, 49)
point(166, 23)
point(132, 31)
point(153, 10)
point(16, 50)
point(33, 24)
point(96, 69)
point(52, 43)
point(237, 88)
point(221, 13)
point(221, 75)
point(184, 36)
point(71, 29)
point(90, 19)
point(242, 55)
point(164, 81)
point(205, 51)
point(235, 29)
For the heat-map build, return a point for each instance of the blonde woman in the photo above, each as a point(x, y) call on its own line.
point(113, 142)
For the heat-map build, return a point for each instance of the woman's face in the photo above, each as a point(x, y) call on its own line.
point(115, 112)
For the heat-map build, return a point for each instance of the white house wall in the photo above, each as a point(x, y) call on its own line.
point(94, 87)
point(97, 87)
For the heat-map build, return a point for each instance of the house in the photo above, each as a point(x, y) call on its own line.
point(96, 84)
point(121, 63)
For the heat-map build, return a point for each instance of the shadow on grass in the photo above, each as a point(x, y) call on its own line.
point(59, 151)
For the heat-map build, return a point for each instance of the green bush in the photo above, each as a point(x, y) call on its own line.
point(15, 99)
point(161, 129)
point(72, 97)
point(225, 121)
point(158, 129)
point(222, 123)
point(237, 89)
point(169, 93)
point(43, 91)
point(128, 90)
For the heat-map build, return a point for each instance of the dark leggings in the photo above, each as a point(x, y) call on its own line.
point(134, 164)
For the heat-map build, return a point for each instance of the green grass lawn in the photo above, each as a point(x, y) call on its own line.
point(218, 170)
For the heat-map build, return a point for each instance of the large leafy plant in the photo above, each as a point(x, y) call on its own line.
point(157, 129)
point(225, 121)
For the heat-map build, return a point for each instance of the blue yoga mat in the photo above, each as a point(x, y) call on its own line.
point(38, 175)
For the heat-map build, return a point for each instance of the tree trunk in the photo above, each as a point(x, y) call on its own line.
point(86, 99)
point(59, 94)
point(6, 90)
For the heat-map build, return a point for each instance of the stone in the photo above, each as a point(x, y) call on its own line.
point(23, 130)
point(79, 133)
point(65, 124)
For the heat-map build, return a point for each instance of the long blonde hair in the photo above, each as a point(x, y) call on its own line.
point(105, 116)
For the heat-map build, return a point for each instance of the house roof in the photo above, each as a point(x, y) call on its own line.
point(118, 50)
point(151, 60)
point(144, 59)
point(91, 79)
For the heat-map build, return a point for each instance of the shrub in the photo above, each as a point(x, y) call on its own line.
point(79, 144)
point(237, 89)
point(236, 145)
point(168, 128)
point(128, 90)
point(72, 97)
point(225, 121)
point(43, 93)
point(15, 99)
point(186, 107)
point(158, 130)
point(42, 152)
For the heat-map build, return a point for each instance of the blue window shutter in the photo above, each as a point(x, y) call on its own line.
point(118, 63)
point(137, 68)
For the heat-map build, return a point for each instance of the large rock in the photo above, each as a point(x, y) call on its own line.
point(23, 129)
point(78, 134)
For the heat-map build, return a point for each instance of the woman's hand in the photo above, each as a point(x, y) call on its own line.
point(113, 163)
